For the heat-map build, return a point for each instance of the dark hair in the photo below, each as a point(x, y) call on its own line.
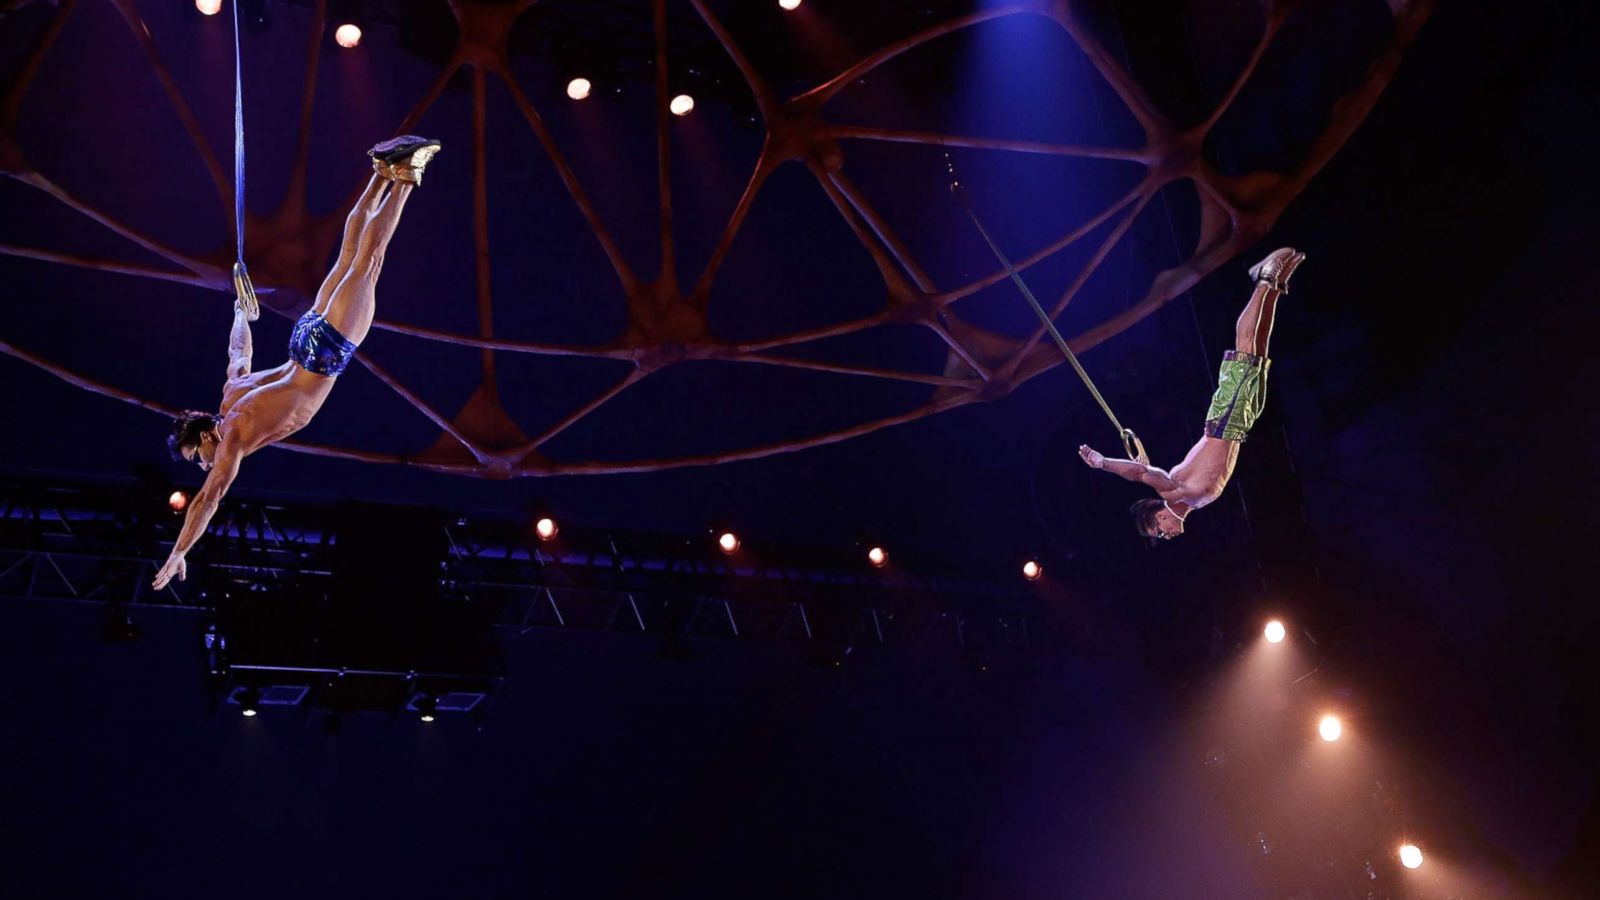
point(186, 431)
point(1144, 516)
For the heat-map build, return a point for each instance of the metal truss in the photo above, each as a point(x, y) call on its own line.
point(104, 544)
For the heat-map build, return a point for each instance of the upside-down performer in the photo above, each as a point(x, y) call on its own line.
point(1241, 393)
point(260, 408)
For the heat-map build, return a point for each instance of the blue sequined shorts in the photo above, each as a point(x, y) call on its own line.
point(319, 347)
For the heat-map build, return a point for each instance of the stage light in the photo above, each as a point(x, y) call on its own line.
point(682, 105)
point(425, 708)
point(729, 542)
point(1275, 632)
point(789, 4)
point(1410, 856)
point(348, 35)
point(1032, 570)
point(877, 556)
point(1330, 728)
point(179, 501)
point(545, 528)
point(208, 7)
point(247, 698)
point(578, 88)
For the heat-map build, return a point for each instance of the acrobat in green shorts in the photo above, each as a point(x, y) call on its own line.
point(1241, 394)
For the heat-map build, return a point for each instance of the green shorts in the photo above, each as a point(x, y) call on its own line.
point(1241, 394)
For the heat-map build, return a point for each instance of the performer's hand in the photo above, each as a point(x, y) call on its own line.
point(174, 566)
point(1091, 456)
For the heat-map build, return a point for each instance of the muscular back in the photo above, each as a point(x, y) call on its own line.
point(259, 408)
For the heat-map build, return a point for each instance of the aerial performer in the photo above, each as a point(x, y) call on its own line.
point(260, 408)
point(1241, 393)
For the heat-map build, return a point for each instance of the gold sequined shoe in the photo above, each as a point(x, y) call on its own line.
point(1274, 271)
point(410, 171)
point(404, 158)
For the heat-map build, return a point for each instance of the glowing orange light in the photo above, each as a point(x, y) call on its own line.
point(578, 88)
point(729, 542)
point(545, 528)
point(178, 501)
point(208, 7)
point(789, 4)
point(681, 105)
point(348, 35)
point(1410, 856)
point(1032, 570)
point(1330, 728)
point(877, 556)
point(1275, 632)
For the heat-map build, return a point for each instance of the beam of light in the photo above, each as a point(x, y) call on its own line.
point(348, 35)
point(877, 556)
point(1032, 570)
point(579, 88)
point(545, 528)
point(1410, 856)
point(789, 4)
point(179, 501)
point(1330, 728)
point(682, 105)
point(208, 7)
point(729, 542)
point(1274, 632)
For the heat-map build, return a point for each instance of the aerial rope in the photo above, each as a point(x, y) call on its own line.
point(243, 290)
point(1130, 441)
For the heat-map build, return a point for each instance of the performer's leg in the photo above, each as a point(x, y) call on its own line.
point(364, 207)
point(1272, 275)
point(351, 304)
point(1254, 328)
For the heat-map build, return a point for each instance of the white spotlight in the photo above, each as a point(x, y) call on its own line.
point(347, 35)
point(877, 556)
point(1032, 570)
point(789, 4)
point(1275, 632)
point(682, 105)
point(208, 7)
point(729, 542)
point(545, 528)
point(1330, 728)
point(578, 88)
point(1410, 856)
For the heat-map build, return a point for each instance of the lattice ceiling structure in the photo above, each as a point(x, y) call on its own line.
point(666, 320)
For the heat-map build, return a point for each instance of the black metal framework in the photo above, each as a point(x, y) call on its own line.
point(104, 543)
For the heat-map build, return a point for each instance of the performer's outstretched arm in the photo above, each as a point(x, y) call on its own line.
point(1131, 469)
point(201, 509)
point(239, 345)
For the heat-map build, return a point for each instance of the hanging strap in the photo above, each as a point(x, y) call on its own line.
point(1130, 441)
point(244, 291)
